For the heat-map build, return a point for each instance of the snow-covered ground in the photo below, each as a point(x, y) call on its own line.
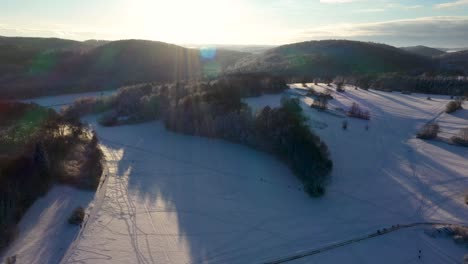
point(171, 198)
point(57, 102)
point(44, 233)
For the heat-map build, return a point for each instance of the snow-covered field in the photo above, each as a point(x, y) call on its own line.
point(171, 198)
point(45, 234)
point(57, 102)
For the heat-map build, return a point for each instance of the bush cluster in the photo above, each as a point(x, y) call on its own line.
point(462, 137)
point(77, 216)
point(460, 235)
point(428, 131)
point(454, 105)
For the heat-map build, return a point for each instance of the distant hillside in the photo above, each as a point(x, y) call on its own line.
point(453, 49)
point(424, 51)
point(331, 58)
point(254, 49)
point(48, 66)
point(47, 44)
point(455, 62)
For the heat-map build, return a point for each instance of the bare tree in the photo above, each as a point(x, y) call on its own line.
point(320, 102)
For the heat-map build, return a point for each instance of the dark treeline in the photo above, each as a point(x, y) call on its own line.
point(421, 84)
point(38, 148)
point(445, 85)
point(426, 83)
point(215, 109)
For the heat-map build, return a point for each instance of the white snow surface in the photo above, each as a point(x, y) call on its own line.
point(59, 101)
point(172, 198)
point(44, 233)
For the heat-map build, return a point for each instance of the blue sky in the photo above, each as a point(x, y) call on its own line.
point(442, 23)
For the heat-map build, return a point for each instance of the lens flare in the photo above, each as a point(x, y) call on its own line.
point(208, 53)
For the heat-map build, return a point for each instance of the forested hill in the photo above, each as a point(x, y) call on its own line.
point(32, 67)
point(424, 51)
point(455, 62)
point(328, 58)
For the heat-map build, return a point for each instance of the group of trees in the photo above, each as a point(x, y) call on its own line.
point(215, 109)
point(320, 98)
point(357, 112)
point(320, 102)
point(281, 131)
point(29, 165)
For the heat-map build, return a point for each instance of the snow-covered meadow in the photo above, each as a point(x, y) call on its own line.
point(59, 101)
point(171, 198)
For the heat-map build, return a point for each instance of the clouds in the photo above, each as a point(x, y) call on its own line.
point(402, 22)
point(56, 31)
point(432, 31)
point(452, 4)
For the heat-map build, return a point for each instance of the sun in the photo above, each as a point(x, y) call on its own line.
point(182, 21)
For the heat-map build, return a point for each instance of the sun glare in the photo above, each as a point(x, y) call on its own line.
point(199, 21)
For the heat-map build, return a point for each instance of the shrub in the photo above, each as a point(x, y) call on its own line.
point(429, 98)
point(428, 131)
point(11, 260)
point(454, 105)
point(315, 190)
point(460, 235)
point(77, 216)
point(344, 125)
point(461, 138)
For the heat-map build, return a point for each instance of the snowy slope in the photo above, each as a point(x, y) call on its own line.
point(44, 231)
point(171, 198)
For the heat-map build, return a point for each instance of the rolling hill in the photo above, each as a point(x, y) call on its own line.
point(328, 58)
point(50, 66)
point(455, 62)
